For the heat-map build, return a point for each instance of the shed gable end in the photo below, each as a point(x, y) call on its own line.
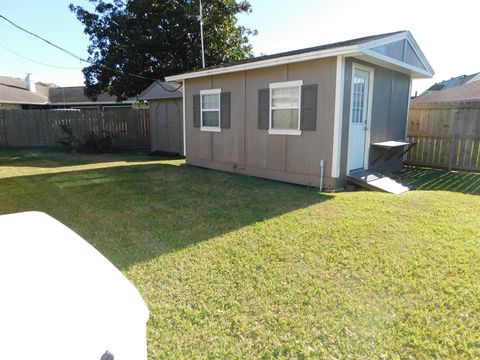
point(412, 58)
point(403, 52)
point(394, 50)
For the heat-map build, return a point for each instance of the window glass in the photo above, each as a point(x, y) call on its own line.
point(285, 119)
point(211, 118)
point(285, 97)
point(211, 101)
point(285, 106)
point(210, 108)
point(358, 100)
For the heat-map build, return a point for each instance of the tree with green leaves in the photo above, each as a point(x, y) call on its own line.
point(157, 38)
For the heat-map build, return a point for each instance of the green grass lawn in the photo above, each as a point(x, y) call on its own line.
point(238, 267)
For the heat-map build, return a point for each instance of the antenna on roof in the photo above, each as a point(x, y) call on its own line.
point(201, 34)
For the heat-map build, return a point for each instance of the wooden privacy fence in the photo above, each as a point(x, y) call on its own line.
point(130, 128)
point(447, 135)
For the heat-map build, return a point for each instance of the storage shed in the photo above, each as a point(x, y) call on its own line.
point(166, 126)
point(312, 116)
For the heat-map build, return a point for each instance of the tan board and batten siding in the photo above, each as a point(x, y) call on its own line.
point(248, 150)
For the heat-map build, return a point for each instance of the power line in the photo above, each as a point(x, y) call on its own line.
point(158, 81)
point(39, 62)
point(41, 38)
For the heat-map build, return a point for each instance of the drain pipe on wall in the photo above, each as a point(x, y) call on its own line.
point(322, 163)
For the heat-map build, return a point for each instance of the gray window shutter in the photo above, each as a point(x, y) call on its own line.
point(308, 116)
point(225, 110)
point(264, 109)
point(196, 110)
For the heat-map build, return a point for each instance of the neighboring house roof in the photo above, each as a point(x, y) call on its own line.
point(466, 92)
point(14, 91)
point(75, 95)
point(396, 50)
point(456, 81)
point(158, 91)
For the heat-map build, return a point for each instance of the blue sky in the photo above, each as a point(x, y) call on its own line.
point(53, 20)
point(447, 32)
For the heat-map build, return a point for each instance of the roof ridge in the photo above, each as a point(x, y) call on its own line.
point(311, 48)
point(344, 44)
point(14, 86)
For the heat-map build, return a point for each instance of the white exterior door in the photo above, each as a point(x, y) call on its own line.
point(359, 115)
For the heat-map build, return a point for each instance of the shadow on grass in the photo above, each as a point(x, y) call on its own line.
point(134, 213)
point(57, 157)
point(438, 179)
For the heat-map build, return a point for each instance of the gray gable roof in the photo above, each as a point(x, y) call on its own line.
point(374, 49)
point(76, 95)
point(305, 50)
point(158, 91)
point(13, 91)
point(469, 91)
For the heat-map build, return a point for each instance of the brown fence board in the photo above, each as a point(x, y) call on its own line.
point(447, 135)
point(130, 128)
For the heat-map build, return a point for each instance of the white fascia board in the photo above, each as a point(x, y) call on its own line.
point(268, 63)
point(406, 35)
point(419, 53)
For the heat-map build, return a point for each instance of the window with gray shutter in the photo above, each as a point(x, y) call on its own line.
point(264, 109)
point(196, 111)
point(285, 107)
point(308, 115)
point(210, 110)
point(225, 110)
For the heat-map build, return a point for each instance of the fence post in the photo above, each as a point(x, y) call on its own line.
point(3, 129)
point(453, 145)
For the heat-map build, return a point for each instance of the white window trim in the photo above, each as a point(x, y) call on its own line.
point(285, 84)
point(211, 128)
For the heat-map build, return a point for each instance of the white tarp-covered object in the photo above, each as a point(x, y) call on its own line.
point(61, 299)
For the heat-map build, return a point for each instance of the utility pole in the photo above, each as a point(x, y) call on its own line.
point(201, 34)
